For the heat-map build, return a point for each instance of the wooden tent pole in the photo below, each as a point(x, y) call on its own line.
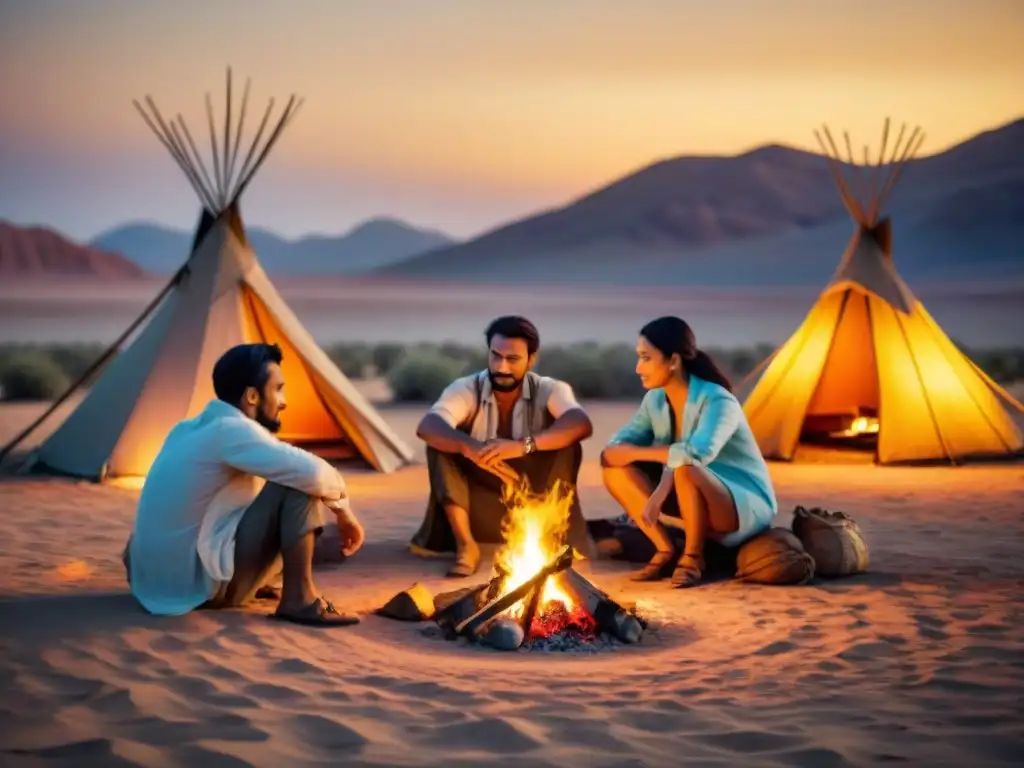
point(213, 150)
point(876, 173)
point(218, 205)
point(238, 134)
point(227, 133)
point(107, 354)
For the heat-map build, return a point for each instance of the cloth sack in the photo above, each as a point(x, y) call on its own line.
point(774, 557)
point(833, 539)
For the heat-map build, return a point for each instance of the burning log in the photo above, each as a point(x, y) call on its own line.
point(472, 625)
point(531, 607)
point(454, 608)
point(609, 615)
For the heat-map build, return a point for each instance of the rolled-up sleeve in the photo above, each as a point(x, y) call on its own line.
point(456, 402)
point(717, 422)
point(561, 399)
point(638, 430)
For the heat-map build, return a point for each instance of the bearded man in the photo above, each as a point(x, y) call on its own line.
point(491, 429)
point(228, 509)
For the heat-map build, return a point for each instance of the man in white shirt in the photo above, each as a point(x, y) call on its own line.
point(488, 429)
point(227, 506)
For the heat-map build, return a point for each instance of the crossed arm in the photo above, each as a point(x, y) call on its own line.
point(438, 428)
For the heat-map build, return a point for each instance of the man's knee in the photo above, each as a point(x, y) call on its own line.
point(294, 503)
point(448, 462)
point(565, 461)
point(449, 480)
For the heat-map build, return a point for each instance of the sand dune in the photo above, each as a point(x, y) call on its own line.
point(922, 661)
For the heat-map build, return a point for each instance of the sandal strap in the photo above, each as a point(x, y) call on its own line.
point(327, 607)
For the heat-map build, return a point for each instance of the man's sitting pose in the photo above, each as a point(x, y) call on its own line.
point(227, 505)
point(484, 431)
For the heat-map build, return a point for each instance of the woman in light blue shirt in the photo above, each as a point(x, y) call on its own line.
point(688, 452)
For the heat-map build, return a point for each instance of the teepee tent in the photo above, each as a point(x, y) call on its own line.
point(218, 298)
point(868, 358)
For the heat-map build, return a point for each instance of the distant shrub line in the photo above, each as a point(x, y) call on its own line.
point(418, 372)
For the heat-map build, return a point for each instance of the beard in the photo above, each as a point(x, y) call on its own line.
point(272, 425)
point(504, 383)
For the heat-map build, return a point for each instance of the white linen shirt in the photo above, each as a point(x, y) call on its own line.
point(458, 402)
point(208, 471)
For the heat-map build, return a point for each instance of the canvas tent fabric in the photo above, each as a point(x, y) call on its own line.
point(869, 346)
point(220, 297)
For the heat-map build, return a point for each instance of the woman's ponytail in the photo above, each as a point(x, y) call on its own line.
point(703, 367)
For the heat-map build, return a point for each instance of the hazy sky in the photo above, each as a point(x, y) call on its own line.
point(461, 114)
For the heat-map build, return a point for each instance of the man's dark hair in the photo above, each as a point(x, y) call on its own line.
point(514, 327)
point(246, 365)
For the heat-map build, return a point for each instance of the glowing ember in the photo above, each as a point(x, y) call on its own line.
point(862, 425)
point(534, 529)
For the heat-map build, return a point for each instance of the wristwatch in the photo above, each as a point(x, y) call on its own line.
point(529, 444)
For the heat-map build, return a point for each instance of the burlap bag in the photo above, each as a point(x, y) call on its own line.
point(833, 539)
point(774, 557)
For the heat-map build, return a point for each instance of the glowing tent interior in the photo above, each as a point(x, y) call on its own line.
point(218, 298)
point(868, 359)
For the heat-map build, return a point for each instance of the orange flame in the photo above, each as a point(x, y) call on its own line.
point(534, 528)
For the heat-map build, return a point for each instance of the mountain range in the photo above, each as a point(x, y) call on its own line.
point(42, 251)
point(770, 216)
point(372, 244)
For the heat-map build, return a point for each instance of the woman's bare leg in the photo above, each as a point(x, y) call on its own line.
point(631, 488)
point(705, 504)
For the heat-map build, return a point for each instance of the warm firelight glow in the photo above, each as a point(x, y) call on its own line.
point(864, 425)
point(534, 528)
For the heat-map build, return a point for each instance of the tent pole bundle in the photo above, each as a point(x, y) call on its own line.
point(225, 188)
point(868, 353)
point(865, 188)
point(218, 298)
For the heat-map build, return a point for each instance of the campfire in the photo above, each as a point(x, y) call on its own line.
point(535, 597)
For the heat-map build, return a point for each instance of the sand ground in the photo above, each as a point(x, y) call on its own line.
point(921, 661)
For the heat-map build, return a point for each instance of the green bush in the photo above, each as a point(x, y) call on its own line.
point(593, 371)
point(419, 372)
point(32, 375)
point(474, 357)
point(421, 375)
point(1003, 365)
point(75, 359)
point(385, 356)
point(355, 360)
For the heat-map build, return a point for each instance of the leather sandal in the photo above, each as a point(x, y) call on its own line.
point(465, 565)
point(688, 571)
point(657, 568)
point(320, 613)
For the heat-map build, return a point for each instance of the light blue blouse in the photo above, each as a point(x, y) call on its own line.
point(715, 435)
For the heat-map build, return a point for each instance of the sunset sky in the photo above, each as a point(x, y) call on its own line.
point(462, 114)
